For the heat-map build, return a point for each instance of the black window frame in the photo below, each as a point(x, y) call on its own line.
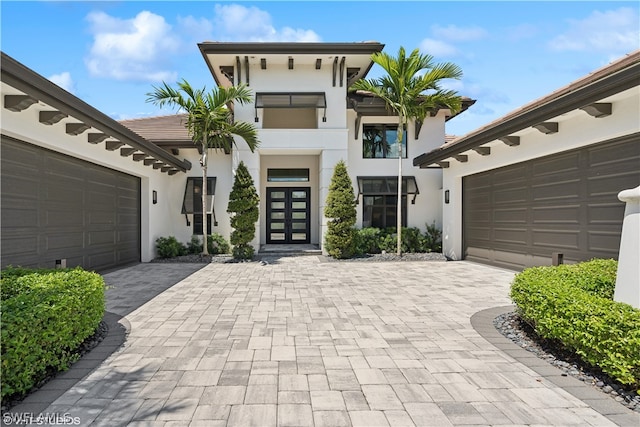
point(386, 145)
point(389, 207)
point(192, 203)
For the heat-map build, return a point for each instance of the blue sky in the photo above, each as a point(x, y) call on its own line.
point(110, 53)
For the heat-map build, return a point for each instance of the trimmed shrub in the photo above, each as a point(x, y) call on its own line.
point(367, 241)
point(243, 207)
point(218, 244)
point(432, 238)
point(169, 247)
point(371, 240)
point(194, 246)
point(46, 315)
point(340, 208)
point(572, 304)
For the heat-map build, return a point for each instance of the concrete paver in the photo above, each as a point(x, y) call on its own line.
point(299, 342)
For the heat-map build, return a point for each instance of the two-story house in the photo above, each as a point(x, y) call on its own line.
point(79, 188)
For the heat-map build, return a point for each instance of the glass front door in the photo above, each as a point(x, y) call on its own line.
point(288, 215)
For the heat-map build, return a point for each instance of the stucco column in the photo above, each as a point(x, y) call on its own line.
point(628, 278)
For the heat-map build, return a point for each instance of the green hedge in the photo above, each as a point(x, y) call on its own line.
point(46, 315)
point(573, 304)
point(371, 240)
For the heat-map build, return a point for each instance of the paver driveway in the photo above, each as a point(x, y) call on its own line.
point(300, 342)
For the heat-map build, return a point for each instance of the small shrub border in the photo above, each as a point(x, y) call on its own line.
point(371, 240)
point(170, 247)
point(573, 304)
point(46, 315)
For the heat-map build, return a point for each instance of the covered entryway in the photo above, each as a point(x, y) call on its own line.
point(517, 216)
point(60, 208)
point(288, 215)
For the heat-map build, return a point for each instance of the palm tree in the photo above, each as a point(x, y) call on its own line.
point(411, 89)
point(209, 123)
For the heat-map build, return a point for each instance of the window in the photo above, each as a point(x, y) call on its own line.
point(192, 202)
point(379, 142)
point(288, 175)
point(381, 211)
point(379, 199)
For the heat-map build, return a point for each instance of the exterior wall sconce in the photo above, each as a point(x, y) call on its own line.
point(446, 197)
point(154, 197)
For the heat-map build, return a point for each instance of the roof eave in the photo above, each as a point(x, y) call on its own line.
point(26, 80)
point(594, 91)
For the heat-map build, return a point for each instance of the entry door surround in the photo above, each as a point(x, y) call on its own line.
point(288, 215)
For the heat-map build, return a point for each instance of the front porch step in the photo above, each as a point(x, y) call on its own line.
point(288, 250)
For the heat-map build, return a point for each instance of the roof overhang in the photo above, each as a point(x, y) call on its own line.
point(116, 136)
point(230, 62)
point(367, 104)
point(608, 81)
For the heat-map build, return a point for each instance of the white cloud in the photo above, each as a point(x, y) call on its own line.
point(438, 48)
point(132, 49)
point(64, 80)
point(199, 30)
point(239, 23)
point(458, 34)
point(613, 31)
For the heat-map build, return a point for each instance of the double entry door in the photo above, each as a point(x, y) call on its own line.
point(288, 215)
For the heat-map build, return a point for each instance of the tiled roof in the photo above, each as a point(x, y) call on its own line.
point(169, 128)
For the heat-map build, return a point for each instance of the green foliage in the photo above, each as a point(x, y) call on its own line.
point(572, 304)
point(371, 240)
point(46, 315)
point(194, 246)
point(218, 244)
point(368, 241)
point(169, 247)
point(432, 238)
point(243, 207)
point(340, 240)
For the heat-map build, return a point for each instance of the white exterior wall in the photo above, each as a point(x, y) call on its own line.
point(576, 129)
point(317, 149)
point(219, 166)
point(332, 141)
point(161, 219)
point(427, 207)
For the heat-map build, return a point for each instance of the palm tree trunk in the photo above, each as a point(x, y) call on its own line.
point(205, 232)
point(399, 137)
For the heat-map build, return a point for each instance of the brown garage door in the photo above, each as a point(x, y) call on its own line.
point(517, 216)
point(57, 207)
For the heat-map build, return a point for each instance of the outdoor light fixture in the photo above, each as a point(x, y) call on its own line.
point(154, 197)
point(446, 197)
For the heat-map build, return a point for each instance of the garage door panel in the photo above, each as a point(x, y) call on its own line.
point(518, 194)
point(556, 238)
point(604, 242)
point(24, 217)
point(64, 240)
point(58, 207)
point(605, 185)
point(508, 216)
point(567, 190)
point(510, 235)
point(605, 213)
point(569, 205)
point(57, 216)
point(625, 156)
point(556, 164)
point(565, 215)
point(508, 176)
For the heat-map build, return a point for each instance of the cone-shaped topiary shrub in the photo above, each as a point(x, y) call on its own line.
point(243, 207)
point(340, 208)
